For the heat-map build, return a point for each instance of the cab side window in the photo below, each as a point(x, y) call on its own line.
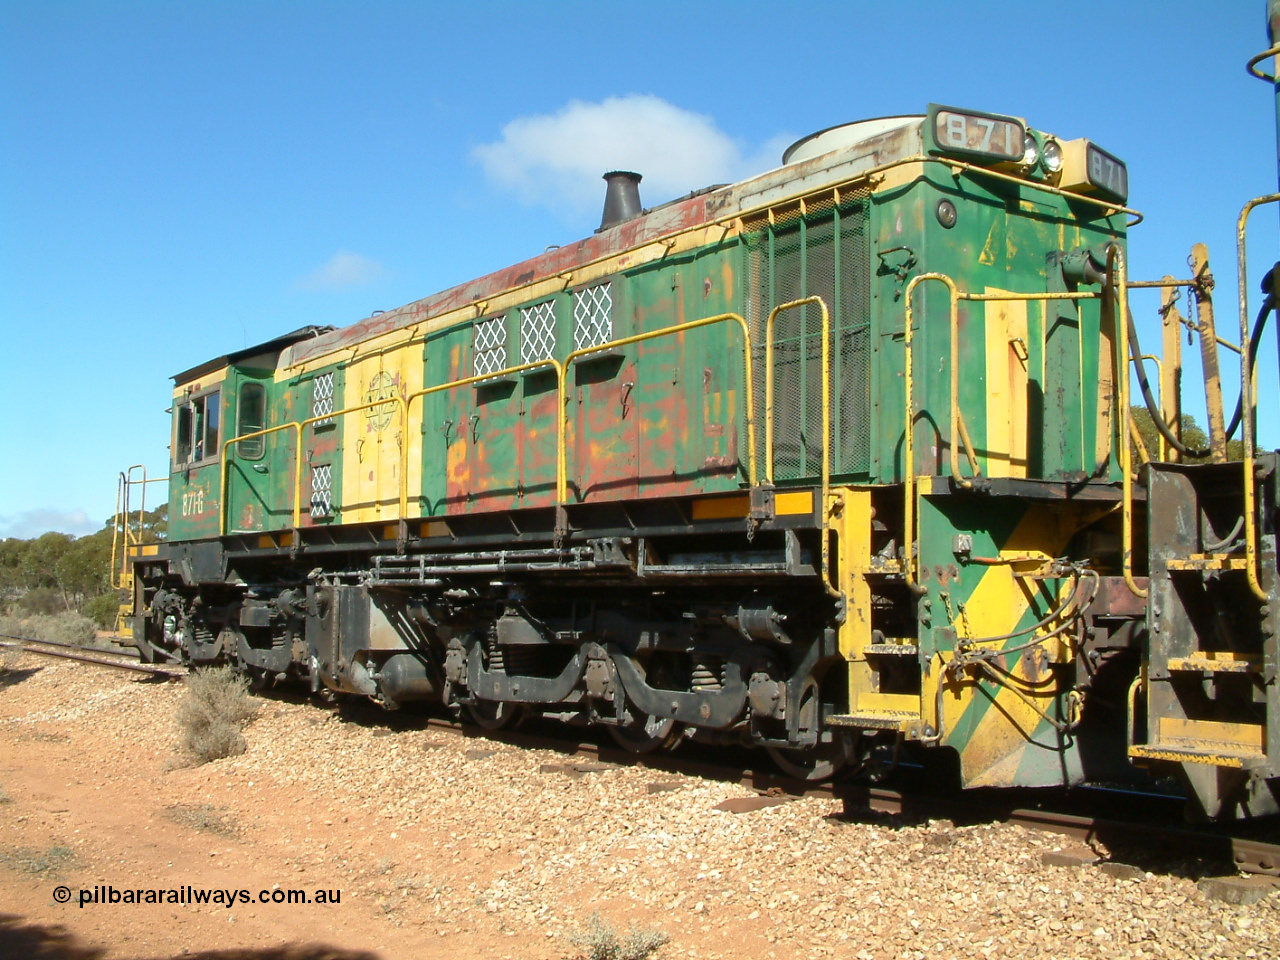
point(199, 421)
point(251, 417)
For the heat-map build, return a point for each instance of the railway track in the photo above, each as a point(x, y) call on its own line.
point(123, 659)
point(1153, 826)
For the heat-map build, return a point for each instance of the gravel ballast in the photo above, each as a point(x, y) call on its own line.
point(444, 845)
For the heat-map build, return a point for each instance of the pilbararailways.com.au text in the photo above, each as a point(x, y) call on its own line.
point(108, 895)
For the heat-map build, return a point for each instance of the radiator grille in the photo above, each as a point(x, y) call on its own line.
point(821, 252)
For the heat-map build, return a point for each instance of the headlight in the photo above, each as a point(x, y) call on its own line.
point(1052, 159)
point(1030, 151)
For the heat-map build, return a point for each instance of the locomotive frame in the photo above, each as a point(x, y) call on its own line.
point(841, 488)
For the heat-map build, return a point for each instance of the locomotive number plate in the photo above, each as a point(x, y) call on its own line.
point(1107, 174)
point(983, 135)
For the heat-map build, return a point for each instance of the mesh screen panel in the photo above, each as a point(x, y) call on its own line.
point(538, 331)
point(593, 316)
point(321, 490)
point(490, 346)
point(322, 396)
point(822, 253)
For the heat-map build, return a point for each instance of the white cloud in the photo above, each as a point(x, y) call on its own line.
point(557, 159)
point(32, 523)
point(342, 271)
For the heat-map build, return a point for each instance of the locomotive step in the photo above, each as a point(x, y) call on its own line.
point(1207, 561)
point(891, 649)
point(1236, 745)
point(888, 720)
point(1216, 662)
point(1185, 754)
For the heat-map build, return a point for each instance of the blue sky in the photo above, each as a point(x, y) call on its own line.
point(179, 179)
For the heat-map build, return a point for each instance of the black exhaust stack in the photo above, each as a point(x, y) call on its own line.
point(621, 198)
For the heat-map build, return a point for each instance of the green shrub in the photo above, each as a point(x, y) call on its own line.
point(41, 600)
point(600, 940)
point(212, 714)
point(103, 608)
point(60, 627)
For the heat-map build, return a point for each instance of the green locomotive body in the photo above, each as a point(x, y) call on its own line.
point(832, 461)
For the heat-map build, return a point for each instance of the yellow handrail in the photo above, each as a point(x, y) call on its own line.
point(1251, 66)
point(299, 426)
point(909, 558)
point(367, 405)
point(121, 528)
point(563, 493)
point(826, 417)
point(226, 445)
point(495, 375)
point(1116, 269)
point(120, 531)
point(1247, 399)
point(959, 428)
point(561, 371)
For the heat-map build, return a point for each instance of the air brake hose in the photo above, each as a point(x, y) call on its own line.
point(1258, 325)
point(1135, 351)
point(1153, 408)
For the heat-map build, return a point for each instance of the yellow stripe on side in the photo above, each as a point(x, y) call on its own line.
point(792, 502)
point(211, 379)
point(995, 749)
point(788, 503)
point(1007, 358)
point(148, 550)
point(721, 508)
point(655, 250)
point(369, 457)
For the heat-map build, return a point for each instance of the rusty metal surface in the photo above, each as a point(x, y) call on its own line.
point(686, 213)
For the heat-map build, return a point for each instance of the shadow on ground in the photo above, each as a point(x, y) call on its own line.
point(20, 940)
point(11, 677)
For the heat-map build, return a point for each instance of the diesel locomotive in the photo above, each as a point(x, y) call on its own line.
point(835, 462)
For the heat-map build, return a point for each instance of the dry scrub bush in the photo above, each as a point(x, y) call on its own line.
point(212, 714)
point(600, 940)
point(60, 627)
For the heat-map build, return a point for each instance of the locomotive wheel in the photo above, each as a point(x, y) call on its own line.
point(495, 714)
point(814, 765)
point(647, 735)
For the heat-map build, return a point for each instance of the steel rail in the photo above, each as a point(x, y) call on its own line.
point(126, 652)
point(26, 645)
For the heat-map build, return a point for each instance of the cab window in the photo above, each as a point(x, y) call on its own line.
point(251, 417)
point(198, 429)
